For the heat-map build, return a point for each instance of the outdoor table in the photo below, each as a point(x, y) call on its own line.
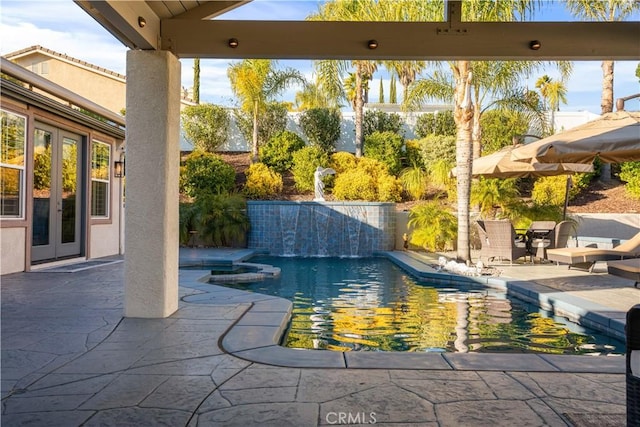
point(538, 240)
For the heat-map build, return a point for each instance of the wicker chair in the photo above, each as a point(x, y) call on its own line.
point(499, 240)
point(564, 230)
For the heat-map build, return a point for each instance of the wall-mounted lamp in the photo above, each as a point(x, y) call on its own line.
point(233, 43)
point(118, 169)
point(141, 22)
point(535, 45)
point(372, 44)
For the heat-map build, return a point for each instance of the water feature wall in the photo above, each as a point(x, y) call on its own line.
point(352, 229)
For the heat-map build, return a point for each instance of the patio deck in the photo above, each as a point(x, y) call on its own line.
point(69, 358)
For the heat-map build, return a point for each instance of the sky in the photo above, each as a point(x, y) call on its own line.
point(62, 26)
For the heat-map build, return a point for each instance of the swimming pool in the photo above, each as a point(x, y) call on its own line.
point(370, 304)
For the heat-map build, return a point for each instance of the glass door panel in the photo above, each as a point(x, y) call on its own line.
point(57, 210)
point(42, 188)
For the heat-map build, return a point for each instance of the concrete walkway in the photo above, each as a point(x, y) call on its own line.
point(70, 359)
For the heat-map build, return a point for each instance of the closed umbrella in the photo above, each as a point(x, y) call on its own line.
point(613, 137)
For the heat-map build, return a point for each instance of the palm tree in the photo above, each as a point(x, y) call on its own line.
point(255, 82)
point(313, 96)
point(407, 72)
point(471, 82)
point(609, 11)
point(553, 92)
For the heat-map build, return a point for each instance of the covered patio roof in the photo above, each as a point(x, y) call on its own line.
point(188, 29)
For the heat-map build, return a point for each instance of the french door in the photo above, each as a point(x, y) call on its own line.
point(57, 194)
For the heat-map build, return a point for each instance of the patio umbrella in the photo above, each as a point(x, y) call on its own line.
point(613, 137)
point(500, 165)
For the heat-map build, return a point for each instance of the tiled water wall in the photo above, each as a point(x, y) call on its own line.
point(355, 229)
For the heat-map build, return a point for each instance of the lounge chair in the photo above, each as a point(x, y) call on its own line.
point(585, 258)
point(499, 240)
point(627, 268)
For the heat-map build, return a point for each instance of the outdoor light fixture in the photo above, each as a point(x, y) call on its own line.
point(535, 45)
point(118, 169)
point(233, 43)
point(372, 44)
point(141, 22)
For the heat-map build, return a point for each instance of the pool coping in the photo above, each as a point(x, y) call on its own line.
point(256, 335)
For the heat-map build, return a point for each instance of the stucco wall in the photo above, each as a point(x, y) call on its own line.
point(13, 247)
point(107, 91)
point(104, 240)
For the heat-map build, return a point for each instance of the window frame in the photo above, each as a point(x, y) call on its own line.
point(107, 181)
point(21, 168)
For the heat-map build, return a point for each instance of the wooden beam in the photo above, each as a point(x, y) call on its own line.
point(402, 40)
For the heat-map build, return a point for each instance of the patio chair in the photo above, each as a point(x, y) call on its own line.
point(564, 230)
point(585, 258)
point(499, 240)
point(540, 236)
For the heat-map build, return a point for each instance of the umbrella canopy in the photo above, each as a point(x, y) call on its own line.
point(500, 165)
point(614, 137)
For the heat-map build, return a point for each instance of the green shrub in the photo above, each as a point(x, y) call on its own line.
point(355, 185)
point(551, 190)
point(206, 125)
point(188, 221)
point(277, 153)
point(389, 189)
point(343, 161)
point(630, 173)
point(434, 227)
point(305, 163)
point(499, 127)
point(412, 154)
point(435, 148)
point(321, 126)
point(206, 173)
point(369, 181)
point(271, 121)
point(385, 147)
point(223, 219)
point(379, 121)
point(490, 194)
point(372, 167)
point(414, 182)
point(441, 123)
point(262, 182)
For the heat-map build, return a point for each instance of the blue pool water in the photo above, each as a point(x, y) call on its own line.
point(370, 304)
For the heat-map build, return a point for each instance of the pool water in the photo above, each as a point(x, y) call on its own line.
point(370, 304)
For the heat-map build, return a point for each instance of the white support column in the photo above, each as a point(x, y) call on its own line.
point(153, 163)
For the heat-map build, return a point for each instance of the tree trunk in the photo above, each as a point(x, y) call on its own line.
point(606, 102)
point(359, 107)
point(196, 80)
point(463, 114)
point(254, 145)
point(606, 106)
point(477, 131)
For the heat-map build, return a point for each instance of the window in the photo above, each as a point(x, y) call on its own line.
point(100, 163)
point(12, 151)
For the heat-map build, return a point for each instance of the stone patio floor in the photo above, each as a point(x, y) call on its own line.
point(69, 358)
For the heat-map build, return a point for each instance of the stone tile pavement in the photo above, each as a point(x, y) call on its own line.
point(69, 358)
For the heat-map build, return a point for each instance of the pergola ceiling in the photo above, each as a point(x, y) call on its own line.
point(187, 29)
